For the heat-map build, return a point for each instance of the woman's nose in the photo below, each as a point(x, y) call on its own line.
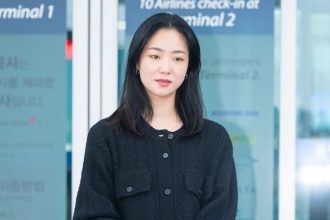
point(165, 66)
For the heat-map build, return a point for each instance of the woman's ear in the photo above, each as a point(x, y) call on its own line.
point(137, 69)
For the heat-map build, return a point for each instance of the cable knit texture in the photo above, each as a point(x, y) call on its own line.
point(161, 175)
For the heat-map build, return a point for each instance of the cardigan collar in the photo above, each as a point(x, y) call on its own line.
point(159, 134)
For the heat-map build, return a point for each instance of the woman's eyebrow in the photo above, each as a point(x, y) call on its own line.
point(161, 50)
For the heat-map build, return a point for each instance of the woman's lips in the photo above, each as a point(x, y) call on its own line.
point(163, 82)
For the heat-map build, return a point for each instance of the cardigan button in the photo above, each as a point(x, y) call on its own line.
point(165, 155)
point(167, 192)
point(129, 189)
point(170, 136)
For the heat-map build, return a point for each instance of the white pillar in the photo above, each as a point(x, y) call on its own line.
point(95, 61)
point(288, 68)
point(109, 83)
point(95, 73)
point(80, 71)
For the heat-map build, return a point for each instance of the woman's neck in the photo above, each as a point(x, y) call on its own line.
point(165, 115)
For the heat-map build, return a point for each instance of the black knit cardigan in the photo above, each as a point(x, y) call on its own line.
point(161, 175)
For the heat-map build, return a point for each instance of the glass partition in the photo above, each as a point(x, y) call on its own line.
point(313, 111)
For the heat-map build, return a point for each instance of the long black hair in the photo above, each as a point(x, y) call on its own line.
point(135, 102)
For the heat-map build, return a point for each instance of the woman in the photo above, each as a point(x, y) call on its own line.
point(156, 157)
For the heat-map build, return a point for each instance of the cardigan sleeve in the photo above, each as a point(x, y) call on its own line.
point(96, 194)
point(222, 205)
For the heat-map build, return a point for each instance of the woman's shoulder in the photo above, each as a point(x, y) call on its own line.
point(102, 128)
point(214, 130)
point(107, 127)
point(101, 125)
point(213, 126)
point(217, 137)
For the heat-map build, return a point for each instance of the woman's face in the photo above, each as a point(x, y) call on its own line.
point(163, 63)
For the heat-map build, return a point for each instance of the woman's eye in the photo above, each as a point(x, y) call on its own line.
point(178, 59)
point(154, 57)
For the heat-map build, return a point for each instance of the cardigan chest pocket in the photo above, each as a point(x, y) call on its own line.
point(133, 193)
point(194, 180)
point(129, 183)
